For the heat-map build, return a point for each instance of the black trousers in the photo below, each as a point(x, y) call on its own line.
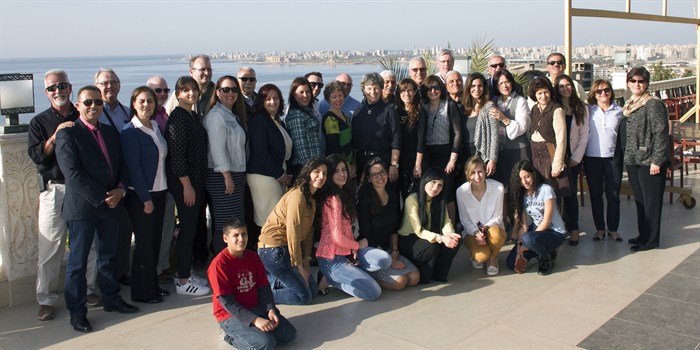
point(648, 196)
point(147, 230)
point(123, 243)
point(571, 202)
point(604, 175)
point(189, 217)
point(433, 260)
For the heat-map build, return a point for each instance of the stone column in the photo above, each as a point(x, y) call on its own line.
point(19, 200)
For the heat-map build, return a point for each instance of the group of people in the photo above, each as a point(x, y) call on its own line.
point(380, 193)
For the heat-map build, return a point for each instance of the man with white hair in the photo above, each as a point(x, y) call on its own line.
point(445, 62)
point(389, 85)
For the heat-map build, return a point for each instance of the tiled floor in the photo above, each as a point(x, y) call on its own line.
point(600, 297)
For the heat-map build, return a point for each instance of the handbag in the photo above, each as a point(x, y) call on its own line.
point(562, 182)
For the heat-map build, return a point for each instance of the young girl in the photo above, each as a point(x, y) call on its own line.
point(480, 204)
point(338, 250)
point(286, 238)
point(426, 236)
point(379, 213)
point(540, 227)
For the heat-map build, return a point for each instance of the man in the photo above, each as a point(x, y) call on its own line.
point(349, 105)
point(89, 155)
point(52, 229)
point(160, 86)
point(248, 80)
point(316, 81)
point(200, 71)
point(454, 85)
point(445, 62)
point(117, 115)
point(418, 70)
point(497, 63)
point(556, 64)
point(389, 85)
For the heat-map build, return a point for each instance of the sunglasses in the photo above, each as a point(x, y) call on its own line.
point(433, 88)
point(159, 90)
point(59, 86)
point(641, 81)
point(552, 63)
point(604, 90)
point(89, 102)
point(315, 85)
point(246, 79)
point(497, 65)
point(227, 89)
point(416, 70)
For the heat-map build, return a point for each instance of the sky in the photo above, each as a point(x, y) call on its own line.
point(59, 28)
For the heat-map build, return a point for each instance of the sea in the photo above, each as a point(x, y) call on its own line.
point(133, 71)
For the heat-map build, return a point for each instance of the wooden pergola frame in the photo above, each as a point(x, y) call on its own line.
point(570, 12)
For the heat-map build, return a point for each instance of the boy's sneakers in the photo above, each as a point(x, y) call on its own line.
point(191, 287)
point(198, 280)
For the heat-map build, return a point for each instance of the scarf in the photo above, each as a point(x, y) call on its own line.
point(632, 105)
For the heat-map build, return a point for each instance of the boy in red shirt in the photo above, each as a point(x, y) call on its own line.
point(242, 298)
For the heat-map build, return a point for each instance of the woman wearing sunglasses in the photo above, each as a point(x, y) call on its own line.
point(225, 181)
point(604, 159)
point(646, 156)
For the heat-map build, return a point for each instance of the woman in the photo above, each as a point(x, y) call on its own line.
point(270, 148)
point(303, 126)
point(646, 156)
point(336, 125)
point(225, 181)
point(286, 238)
point(480, 132)
point(144, 150)
point(535, 203)
point(513, 116)
point(338, 251)
point(412, 119)
point(186, 168)
point(548, 140)
point(375, 127)
point(603, 159)
point(577, 127)
point(480, 203)
point(426, 236)
point(379, 213)
point(443, 136)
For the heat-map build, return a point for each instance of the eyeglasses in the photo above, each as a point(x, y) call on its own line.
point(247, 79)
point(227, 89)
point(159, 90)
point(59, 86)
point(605, 90)
point(416, 70)
point(433, 88)
point(344, 83)
point(317, 85)
point(108, 82)
point(497, 65)
point(89, 102)
point(202, 70)
point(378, 174)
point(640, 81)
point(552, 63)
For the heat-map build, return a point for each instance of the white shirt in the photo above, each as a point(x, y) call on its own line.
point(488, 211)
point(604, 126)
point(160, 183)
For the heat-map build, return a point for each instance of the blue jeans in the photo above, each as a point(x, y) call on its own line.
point(542, 242)
point(288, 287)
point(247, 336)
point(373, 259)
point(80, 236)
point(351, 279)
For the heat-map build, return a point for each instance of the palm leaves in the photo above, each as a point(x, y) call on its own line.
point(480, 50)
point(393, 64)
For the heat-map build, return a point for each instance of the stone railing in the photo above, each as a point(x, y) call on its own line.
point(19, 200)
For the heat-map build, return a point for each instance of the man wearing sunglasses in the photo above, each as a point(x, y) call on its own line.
point(90, 156)
point(52, 229)
point(418, 70)
point(497, 63)
point(247, 80)
point(556, 64)
point(316, 81)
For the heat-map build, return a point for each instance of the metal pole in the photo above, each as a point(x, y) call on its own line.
point(628, 7)
point(567, 36)
point(664, 8)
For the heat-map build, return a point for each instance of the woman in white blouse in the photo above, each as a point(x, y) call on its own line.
point(480, 204)
point(225, 181)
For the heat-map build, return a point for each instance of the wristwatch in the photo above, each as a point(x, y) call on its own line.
point(395, 165)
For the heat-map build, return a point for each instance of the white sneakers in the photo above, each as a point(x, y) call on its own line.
point(198, 280)
point(193, 286)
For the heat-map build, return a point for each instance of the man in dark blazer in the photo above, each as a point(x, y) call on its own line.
point(89, 156)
